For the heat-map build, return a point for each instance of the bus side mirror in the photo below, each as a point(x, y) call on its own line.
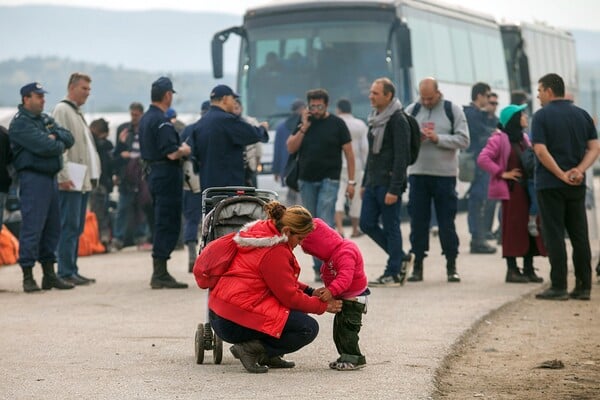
point(217, 47)
point(217, 55)
point(404, 46)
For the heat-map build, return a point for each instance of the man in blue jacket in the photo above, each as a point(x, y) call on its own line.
point(220, 138)
point(38, 143)
point(479, 132)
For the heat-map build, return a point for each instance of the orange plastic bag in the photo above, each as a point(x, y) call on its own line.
point(89, 241)
point(9, 247)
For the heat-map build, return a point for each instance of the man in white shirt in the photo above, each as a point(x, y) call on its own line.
point(358, 131)
point(74, 192)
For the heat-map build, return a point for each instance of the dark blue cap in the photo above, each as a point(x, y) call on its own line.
point(222, 91)
point(33, 87)
point(205, 105)
point(163, 84)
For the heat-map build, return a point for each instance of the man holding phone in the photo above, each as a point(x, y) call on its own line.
point(320, 139)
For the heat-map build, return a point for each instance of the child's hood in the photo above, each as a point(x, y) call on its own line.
point(322, 242)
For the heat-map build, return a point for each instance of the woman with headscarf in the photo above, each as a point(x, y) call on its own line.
point(501, 158)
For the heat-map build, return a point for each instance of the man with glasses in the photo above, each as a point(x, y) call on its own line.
point(320, 139)
point(479, 132)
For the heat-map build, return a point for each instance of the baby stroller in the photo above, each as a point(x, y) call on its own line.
point(225, 210)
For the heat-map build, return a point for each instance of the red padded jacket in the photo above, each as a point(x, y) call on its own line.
point(261, 286)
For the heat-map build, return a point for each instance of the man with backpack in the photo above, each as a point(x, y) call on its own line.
point(444, 131)
point(384, 180)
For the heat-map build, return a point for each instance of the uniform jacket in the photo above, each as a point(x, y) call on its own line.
point(70, 116)
point(219, 141)
point(32, 147)
point(342, 271)
point(261, 286)
point(493, 159)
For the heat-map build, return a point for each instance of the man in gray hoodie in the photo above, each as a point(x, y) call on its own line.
point(433, 176)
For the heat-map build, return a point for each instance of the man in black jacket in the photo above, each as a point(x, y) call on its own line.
point(385, 180)
point(38, 143)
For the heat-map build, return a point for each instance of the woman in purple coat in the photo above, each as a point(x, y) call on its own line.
point(501, 158)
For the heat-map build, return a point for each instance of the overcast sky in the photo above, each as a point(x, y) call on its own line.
point(569, 14)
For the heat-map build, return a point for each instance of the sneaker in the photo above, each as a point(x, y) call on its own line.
point(532, 227)
point(406, 267)
point(386, 281)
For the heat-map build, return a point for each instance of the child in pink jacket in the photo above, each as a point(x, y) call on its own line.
point(344, 278)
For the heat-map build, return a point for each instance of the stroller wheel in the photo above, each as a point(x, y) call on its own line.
point(217, 349)
point(208, 337)
point(199, 344)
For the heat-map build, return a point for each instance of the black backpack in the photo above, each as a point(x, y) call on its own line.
point(447, 110)
point(415, 137)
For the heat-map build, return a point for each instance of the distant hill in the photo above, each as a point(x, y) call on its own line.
point(113, 89)
point(170, 41)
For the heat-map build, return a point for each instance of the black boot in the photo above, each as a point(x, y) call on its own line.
point(161, 277)
point(50, 280)
point(29, 284)
point(192, 254)
point(417, 274)
point(513, 275)
point(451, 271)
point(249, 353)
point(529, 271)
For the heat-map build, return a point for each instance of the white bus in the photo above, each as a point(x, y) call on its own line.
point(534, 50)
point(291, 46)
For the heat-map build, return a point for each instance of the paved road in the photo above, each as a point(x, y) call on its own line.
point(118, 339)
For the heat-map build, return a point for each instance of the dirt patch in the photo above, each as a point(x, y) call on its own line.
point(502, 355)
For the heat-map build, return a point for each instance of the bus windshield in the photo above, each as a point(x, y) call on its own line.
point(279, 63)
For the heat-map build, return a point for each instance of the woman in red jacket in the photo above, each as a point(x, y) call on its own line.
point(259, 305)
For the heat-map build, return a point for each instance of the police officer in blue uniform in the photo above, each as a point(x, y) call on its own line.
point(162, 152)
point(219, 140)
point(38, 144)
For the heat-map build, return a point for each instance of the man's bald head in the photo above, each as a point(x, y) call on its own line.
point(429, 92)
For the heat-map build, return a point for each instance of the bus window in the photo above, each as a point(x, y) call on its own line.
point(422, 43)
point(489, 57)
point(442, 50)
point(463, 57)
